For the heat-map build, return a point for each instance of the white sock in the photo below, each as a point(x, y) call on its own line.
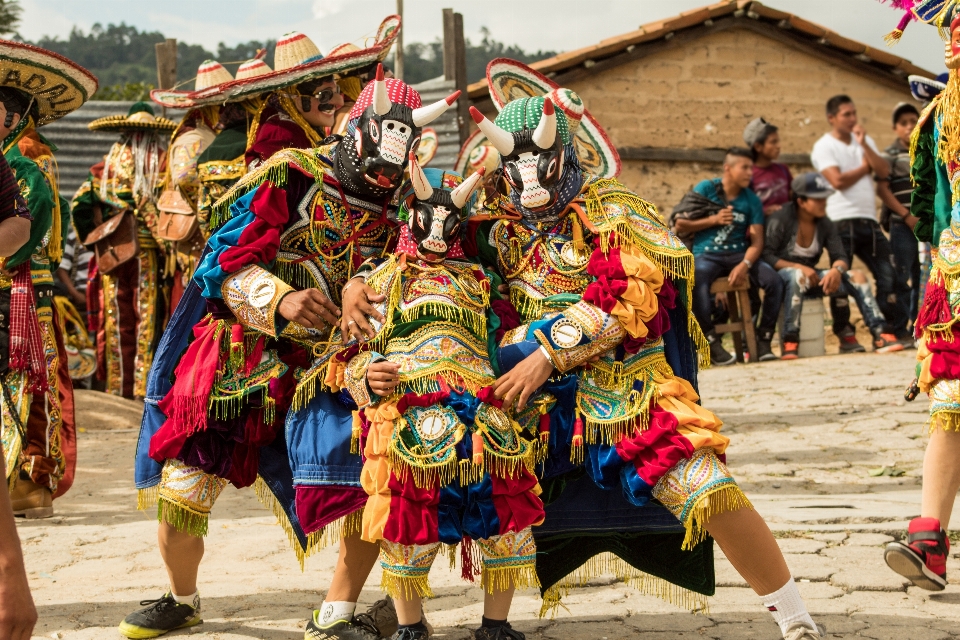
point(332, 612)
point(193, 599)
point(787, 608)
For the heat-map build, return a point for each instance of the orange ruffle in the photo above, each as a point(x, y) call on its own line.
point(375, 475)
point(697, 424)
point(638, 304)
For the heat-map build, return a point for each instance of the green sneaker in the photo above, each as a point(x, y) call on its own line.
point(159, 617)
point(339, 630)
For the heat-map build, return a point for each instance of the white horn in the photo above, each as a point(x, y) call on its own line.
point(381, 101)
point(461, 194)
point(426, 115)
point(420, 185)
point(500, 139)
point(546, 132)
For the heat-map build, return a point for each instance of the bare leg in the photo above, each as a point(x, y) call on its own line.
point(181, 553)
point(496, 605)
point(751, 549)
point(409, 611)
point(354, 563)
point(941, 476)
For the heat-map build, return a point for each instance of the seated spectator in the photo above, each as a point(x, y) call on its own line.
point(848, 158)
point(729, 243)
point(71, 276)
point(771, 180)
point(796, 236)
point(895, 218)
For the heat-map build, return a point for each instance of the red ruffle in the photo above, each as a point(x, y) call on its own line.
point(413, 512)
point(516, 504)
point(509, 318)
point(935, 309)
point(945, 360)
point(319, 506)
point(657, 449)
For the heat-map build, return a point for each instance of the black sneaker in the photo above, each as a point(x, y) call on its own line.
point(503, 632)
point(340, 630)
point(410, 634)
point(719, 357)
point(159, 617)
point(382, 616)
point(764, 353)
point(848, 342)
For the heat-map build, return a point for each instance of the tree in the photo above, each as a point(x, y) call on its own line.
point(9, 16)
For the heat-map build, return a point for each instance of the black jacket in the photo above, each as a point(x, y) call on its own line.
point(694, 206)
point(780, 238)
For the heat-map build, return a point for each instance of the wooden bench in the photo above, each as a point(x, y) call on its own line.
point(741, 317)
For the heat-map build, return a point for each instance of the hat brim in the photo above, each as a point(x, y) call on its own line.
point(122, 124)
point(508, 80)
point(818, 195)
point(473, 141)
point(236, 90)
point(925, 89)
point(429, 145)
point(58, 85)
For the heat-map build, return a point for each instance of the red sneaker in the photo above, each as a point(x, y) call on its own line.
point(886, 343)
point(789, 351)
point(923, 558)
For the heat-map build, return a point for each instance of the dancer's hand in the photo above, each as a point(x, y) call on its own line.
point(358, 299)
point(309, 308)
point(523, 380)
point(383, 377)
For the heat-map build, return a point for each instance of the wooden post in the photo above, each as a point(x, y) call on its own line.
point(455, 65)
point(166, 65)
point(398, 52)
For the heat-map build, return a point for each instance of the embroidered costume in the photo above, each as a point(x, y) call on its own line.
point(130, 302)
point(37, 428)
point(602, 288)
point(306, 219)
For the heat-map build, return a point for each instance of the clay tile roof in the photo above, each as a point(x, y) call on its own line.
point(883, 60)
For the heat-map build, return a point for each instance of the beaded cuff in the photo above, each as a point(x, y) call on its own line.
point(577, 334)
point(254, 294)
point(355, 378)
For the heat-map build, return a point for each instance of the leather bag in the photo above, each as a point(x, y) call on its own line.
point(177, 220)
point(115, 241)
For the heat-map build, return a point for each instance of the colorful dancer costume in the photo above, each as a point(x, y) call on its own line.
point(36, 404)
point(298, 226)
point(601, 290)
point(935, 150)
point(130, 301)
point(442, 461)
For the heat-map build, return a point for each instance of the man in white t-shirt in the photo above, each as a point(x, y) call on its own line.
point(849, 159)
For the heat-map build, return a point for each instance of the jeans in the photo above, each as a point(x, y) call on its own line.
point(710, 266)
point(795, 294)
point(864, 239)
point(906, 264)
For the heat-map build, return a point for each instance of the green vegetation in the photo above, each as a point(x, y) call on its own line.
point(9, 16)
point(124, 58)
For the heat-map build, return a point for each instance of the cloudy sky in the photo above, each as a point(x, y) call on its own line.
point(534, 24)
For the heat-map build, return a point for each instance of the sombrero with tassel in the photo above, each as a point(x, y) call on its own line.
point(937, 12)
point(140, 117)
point(508, 80)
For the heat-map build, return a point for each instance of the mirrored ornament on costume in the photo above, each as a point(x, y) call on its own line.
point(436, 215)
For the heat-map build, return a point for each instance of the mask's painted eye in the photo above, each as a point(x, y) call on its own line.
point(551, 167)
point(389, 125)
point(374, 131)
point(402, 130)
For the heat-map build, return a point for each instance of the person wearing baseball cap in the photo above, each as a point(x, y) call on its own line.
point(895, 217)
point(771, 179)
point(796, 236)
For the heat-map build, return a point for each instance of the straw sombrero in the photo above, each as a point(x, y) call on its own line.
point(508, 80)
point(211, 78)
point(429, 144)
point(475, 152)
point(139, 118)
point(57, 85)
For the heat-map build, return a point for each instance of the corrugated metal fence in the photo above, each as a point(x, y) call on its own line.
point(80, 148)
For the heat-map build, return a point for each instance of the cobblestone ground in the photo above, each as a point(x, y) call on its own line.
point(809, 438)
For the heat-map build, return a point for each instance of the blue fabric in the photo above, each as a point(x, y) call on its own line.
point(318, 437)
point(190, 310)
point(209, 274)
point(731, 238)
point(274, 470)
point(449, 511)
point(635, 490)
point(603, 465)
point(510, 356)
point(480, 519)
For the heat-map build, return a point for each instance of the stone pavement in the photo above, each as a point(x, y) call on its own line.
point(807, 437)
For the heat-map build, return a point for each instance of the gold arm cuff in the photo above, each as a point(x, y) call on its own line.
point(254, 294)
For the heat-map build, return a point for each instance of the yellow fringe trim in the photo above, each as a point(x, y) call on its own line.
point(499, 579)
point(147, 498)
point(182, 519)
point(404, 587)
point(268, 500)
point(610, 564)
point(946, 420)
point(726, 498)
point(424, 475)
